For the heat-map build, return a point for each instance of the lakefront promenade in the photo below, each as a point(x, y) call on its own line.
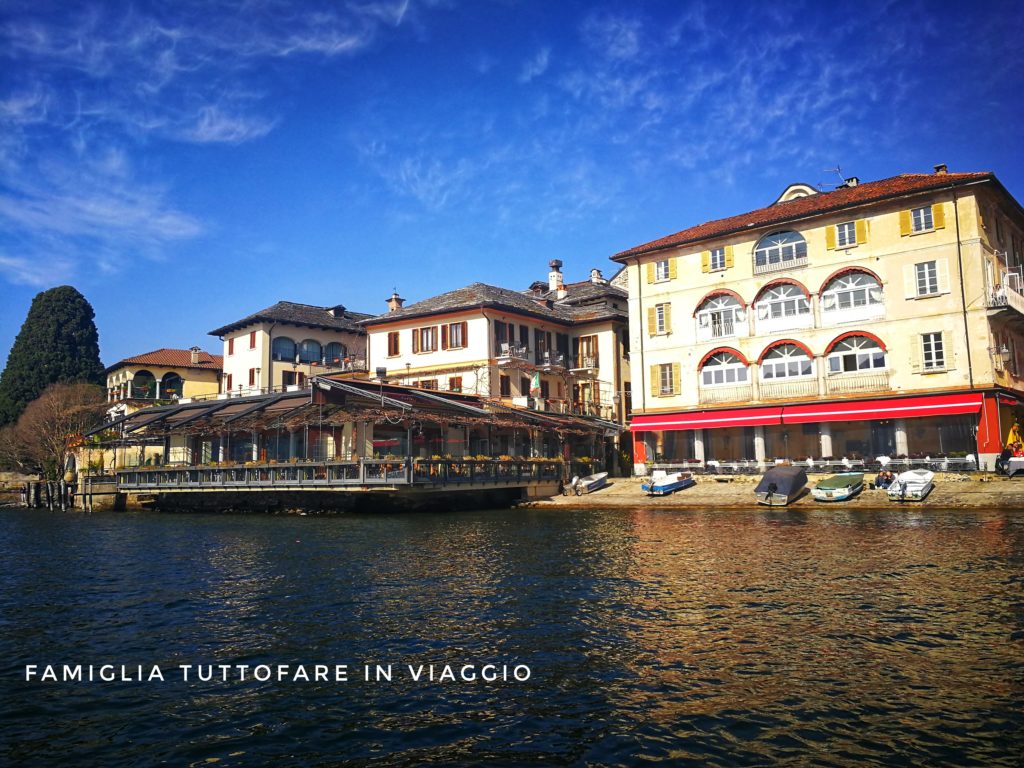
point(952, 491)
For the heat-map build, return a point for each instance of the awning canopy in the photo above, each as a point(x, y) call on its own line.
point(876, 410)
point(736, 417)
point(858, 410)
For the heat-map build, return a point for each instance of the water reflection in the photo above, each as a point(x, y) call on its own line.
point(836, 637)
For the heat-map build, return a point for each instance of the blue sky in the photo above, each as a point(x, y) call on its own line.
point(184, 164)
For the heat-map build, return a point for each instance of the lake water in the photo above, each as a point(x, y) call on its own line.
point(827, 638)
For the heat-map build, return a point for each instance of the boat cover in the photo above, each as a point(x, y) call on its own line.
point(842, 480)
point(787, 480)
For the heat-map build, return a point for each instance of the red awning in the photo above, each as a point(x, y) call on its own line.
point(896, 408)
point(1010, 400)
point(737, 417)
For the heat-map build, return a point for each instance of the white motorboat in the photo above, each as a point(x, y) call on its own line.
point(912, 485)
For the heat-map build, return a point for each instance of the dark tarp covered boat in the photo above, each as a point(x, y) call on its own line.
point(780, 485)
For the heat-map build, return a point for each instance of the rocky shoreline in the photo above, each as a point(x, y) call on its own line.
point(952, 491)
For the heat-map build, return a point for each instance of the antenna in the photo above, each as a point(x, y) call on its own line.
point(838, 171)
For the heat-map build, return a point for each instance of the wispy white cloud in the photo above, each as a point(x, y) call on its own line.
point(99, 84)
point(536, 66)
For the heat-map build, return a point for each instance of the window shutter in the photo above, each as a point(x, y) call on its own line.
point(915, 353)
point(415, 340)
point(942, 273)
point(830, 237)
point(948, 353)
point(444, 337)
point(652, 321)
point(655, 381)
point(938, 216)
point(909, 281)
point(705, 261)
point(465, 333)
point(862, 231)
point(728, 256)
point(673, 269)
point(650, 271)
point(668, 318)
point(676, 379)
point(904, 223)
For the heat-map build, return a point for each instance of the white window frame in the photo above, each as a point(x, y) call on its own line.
point(428, 339)
point(933, 352)
point(720, 312)
point(851, 287)
point(781, 298)
point(779, 249)
point(921, 219)
point(723, 369)
point(453, 329)
point(867, 356)
point(781, 366)
point(659, 318)
point(846, 234)
point(665, 379)
point(717, 260)
point(926, 276)
point(661, 271)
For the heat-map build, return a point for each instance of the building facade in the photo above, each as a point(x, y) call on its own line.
point(557, 348)
point(163, 375)
point(284, 345)
point(884, 318)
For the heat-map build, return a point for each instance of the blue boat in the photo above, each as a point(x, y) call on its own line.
point(662, 483)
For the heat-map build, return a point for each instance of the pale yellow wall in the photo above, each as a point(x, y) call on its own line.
point(271, 373)
point(886, 253)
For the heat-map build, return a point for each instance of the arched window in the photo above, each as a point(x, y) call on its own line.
point(786, 361)
point(850, 291)
point(144, 385)
point(283, 348)
point(334, 353)
point(171, 386)
point(310, 351)
point(723, 368)
point(856, 353)
point(779, 249)
point(719, 317)
point(782, 301)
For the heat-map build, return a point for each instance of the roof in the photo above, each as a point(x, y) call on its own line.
point(305, 315)
point(585, 303)
point(173, 358)
point(811, 205)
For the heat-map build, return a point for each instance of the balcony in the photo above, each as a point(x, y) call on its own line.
point(550, 361)
point(740, 393)
point(874, 311)
point(718, 329)
point(1008, 294)
point(780, 266)
point(771, 325)
point(850, 383)
point(788, 390)
point(512, 353)
point(585, 364)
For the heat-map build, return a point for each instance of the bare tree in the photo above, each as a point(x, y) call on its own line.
point(52, 424)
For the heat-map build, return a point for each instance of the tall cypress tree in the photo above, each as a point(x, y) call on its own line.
point(57, 343)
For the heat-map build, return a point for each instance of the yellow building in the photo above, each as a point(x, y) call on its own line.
point(164, 374)
point(883, 318)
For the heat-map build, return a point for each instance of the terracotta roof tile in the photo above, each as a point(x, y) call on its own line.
point(802, 207)
point(173, 358)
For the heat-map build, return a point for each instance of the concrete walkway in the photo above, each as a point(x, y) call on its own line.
point(737, 492)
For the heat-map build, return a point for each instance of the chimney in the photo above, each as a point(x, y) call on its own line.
point(941, 169)
point(853, 181)
point(337, 311)
point(595, 277)
point(395, 302)
point(555, 275)
point(195, 355)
